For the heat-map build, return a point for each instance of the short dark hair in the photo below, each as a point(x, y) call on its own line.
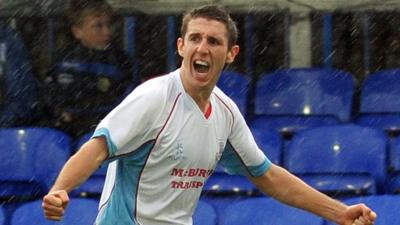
point(213, 12)
point(78, 9)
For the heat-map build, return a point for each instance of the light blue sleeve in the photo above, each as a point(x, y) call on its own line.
point(233, 163)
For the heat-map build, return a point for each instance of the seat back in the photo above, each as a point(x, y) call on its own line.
point(268, 140)
point(394, 159)
point(393, 185)
point(305, 91)
point(236, 86)
point(2, 216)
point(387, 207)
point(340, 149)
point(31, 160)
point(204, 214)
point(78, 212)
point(265, 211)
point(380, 92)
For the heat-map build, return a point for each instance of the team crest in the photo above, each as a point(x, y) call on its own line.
point(177, 154)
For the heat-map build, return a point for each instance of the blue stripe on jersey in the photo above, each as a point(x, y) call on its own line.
point(233, 164)
point(112, 148)
point(118, 209)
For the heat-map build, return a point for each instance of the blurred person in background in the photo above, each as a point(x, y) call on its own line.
point(92, 77)
point(18, 85)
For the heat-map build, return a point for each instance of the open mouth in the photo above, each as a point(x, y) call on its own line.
point(201, 66)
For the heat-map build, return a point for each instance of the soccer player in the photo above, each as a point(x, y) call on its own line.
point(167, 136)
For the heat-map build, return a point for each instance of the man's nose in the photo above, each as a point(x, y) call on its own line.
point(203, 46)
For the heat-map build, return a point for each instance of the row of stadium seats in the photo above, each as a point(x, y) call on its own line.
point(267, 211)
point(343, 159)
point(290, 100)
point(250, 211)
point(337, 159)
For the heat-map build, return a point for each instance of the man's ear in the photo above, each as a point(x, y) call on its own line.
point(232, 53)
point(180, 46)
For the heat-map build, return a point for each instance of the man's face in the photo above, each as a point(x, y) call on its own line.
point(94, 32)
point(204, 50)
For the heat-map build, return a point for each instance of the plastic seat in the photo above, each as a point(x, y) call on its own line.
point(387, 208)
point(220, 182)
point(393, 184)
point(78, 212)
point(268, 140)
point(380, 102)
point(2, 216)
point(31, 160)
point(296, 99)
point(341, 159)
point(226, 184)
point(93, 186)
point(265, 211)
point(236, 86)
point(204, 214)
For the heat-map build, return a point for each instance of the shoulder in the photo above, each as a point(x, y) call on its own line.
point(223, 99)
point(116, 51)
point(158, 89)
point(72, 53)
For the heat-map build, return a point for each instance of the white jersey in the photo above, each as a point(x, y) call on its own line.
point(162, 149)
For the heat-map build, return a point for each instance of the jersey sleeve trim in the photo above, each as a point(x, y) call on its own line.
point(104, 132)
point(234, 164)
point(259, 170)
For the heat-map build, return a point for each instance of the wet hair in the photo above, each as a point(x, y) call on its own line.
point(78, 9)
point(212, 12)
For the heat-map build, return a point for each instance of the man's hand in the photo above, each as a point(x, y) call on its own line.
point(54, 204)
point(358, 214)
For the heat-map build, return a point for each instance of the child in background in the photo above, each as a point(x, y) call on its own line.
point(92, 77)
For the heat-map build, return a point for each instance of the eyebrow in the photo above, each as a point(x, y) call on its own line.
point(209, 36)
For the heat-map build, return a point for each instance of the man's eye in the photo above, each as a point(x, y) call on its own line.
point(213, 41)
point(194, 38)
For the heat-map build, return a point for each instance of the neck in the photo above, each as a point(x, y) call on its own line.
point(201, 95)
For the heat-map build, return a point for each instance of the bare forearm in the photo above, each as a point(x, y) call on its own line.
point(290, 190)
point(81, 165)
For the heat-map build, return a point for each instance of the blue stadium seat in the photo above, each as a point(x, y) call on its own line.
point(220, 182)
point(204, 214)
point(380, 102)
point(265, 211)
point(268, 140)
point(226, 184)
point(94, 184)
point(343, 159)
point(295, 99)
point(79, 212)
point(393, 185)
point(2, 216)
point(236, 86)
point(31, 160)
point(387, 208)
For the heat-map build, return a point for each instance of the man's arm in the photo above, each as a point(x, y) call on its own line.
point(287, 188)
point(75, 171)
